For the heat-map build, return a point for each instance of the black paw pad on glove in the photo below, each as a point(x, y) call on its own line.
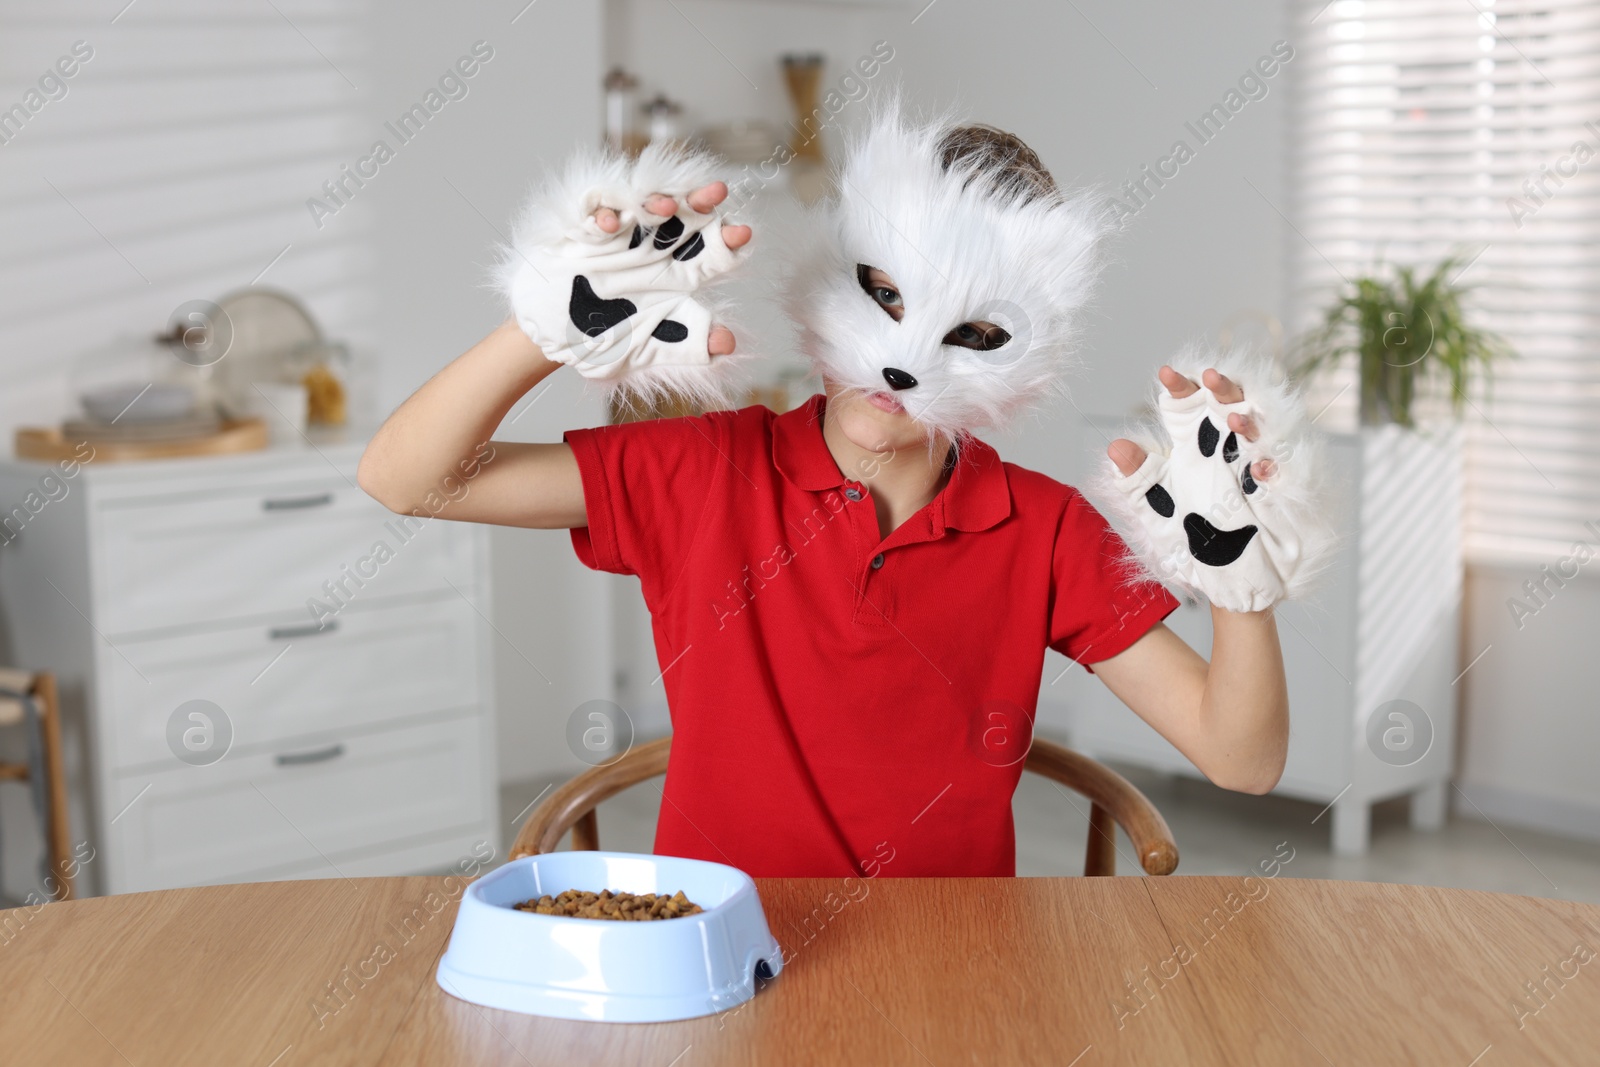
point(1214, 547)
point(1208, 543)
point(594, 315)
point(664, 236)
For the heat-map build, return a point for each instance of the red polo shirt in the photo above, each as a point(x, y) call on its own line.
point(845, 703)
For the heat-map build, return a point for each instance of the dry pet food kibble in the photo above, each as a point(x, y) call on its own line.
point(625, 907)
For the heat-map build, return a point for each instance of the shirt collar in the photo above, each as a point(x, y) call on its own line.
point(976, 497)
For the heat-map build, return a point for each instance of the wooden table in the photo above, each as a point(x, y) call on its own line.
point(1034, 970)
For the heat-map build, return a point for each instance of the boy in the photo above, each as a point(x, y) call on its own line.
point(851, 601)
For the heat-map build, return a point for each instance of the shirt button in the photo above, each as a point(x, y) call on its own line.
point(852, 494)
point(877, 561)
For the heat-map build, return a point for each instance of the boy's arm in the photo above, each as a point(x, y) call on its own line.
point(1231, 717)
point(439, 440)
point(432, 441)
point(1242, 520)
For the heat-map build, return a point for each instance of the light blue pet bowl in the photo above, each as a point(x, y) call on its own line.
point(631, 972)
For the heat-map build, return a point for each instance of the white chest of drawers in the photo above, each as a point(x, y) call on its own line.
point(342, 653)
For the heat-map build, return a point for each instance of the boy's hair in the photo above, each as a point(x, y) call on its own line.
point(1009, 165)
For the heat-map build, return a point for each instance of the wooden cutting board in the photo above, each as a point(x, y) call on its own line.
point(49, 445)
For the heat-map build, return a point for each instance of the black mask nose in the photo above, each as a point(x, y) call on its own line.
point(898, 379)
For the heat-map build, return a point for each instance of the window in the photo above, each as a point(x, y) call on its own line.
point(1426, 127)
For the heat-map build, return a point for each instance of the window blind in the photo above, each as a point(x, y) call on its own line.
point(1427, 127)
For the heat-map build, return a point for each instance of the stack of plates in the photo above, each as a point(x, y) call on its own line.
point(140, 411)
point(125, 430)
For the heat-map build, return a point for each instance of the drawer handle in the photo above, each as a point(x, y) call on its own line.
point(300, 759)
point(310, 629)
point(295, 503)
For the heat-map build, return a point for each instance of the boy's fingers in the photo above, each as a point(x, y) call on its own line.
point(1244, 426)
point(735, 236)
point(707, 197)
point(1176, 384)
point(662, 206)
point(1225, 389)
point(720, 341)
point(1262, 469)
point(1127, 455)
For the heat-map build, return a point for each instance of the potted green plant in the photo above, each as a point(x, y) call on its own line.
point(1404, 333)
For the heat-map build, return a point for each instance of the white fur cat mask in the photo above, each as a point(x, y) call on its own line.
point(959, 249)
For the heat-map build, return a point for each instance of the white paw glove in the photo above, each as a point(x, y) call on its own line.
point(618, 307)
point(1203, 514)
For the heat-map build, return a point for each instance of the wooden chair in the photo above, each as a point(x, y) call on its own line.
point(1113, 802)
point(42, 688)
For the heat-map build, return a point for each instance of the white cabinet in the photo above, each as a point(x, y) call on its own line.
point(340, 654)
point(278, 683)
point(301, 808)
point(169, 560)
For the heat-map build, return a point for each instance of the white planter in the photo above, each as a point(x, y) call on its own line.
point(1384, 628)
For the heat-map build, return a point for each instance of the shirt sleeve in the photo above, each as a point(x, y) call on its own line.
point(1096, 609)
point(646, 490)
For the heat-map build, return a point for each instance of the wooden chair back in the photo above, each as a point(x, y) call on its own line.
point(41, 686)
point(1113, 802)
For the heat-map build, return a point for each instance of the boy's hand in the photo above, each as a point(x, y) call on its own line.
point(703, 200)
point(606, 266)
point(1229, 507)
point(1129, 455)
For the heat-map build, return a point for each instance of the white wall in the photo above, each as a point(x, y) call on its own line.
point(176, 167)
point(442, 206)
point(1530, 713)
